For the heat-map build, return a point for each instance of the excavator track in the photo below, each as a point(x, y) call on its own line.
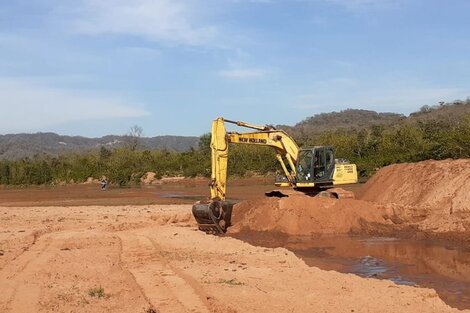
point(336, 193)
point(213, 217)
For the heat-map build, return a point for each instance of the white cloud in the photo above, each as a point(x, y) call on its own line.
point(27, 106)
point(168, 21)
point(244, 73)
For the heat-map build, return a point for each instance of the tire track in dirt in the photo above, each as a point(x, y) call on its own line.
point(162, 286)
point(28, 241)
point(188, 279)
point(131, 278)
point(19, 293)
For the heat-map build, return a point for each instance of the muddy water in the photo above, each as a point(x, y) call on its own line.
point(432, 264)
point(185, 191)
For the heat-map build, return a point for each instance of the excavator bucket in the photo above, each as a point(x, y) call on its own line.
point(213, 217)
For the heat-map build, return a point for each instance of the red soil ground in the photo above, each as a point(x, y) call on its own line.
point(58, 253)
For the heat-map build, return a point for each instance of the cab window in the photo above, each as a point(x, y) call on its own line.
point(304, 166)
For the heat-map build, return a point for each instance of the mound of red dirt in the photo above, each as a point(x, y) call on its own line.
point(439, 187)
point(304, 215)
point(429, 197)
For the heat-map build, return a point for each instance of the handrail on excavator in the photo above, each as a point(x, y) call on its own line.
point(248, 125)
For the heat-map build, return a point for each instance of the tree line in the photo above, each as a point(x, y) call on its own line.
point(369, 148)
point(379, 146)
point(126, 166)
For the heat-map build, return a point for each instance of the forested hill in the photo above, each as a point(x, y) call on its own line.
point(370, 140)
point(18, 146)
point(346, 119)
point(443, 112)
point(357, 119)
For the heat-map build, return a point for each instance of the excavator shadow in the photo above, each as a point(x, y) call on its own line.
point(335, 193)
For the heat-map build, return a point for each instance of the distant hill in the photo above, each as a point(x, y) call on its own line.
point(356, 119)
point(346, 119)
point(18, 146)
point(444, 111)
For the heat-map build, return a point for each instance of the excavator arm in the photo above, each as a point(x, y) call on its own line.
point(283, 144)
point(214, 215)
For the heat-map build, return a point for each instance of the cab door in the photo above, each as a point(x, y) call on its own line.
point(323, 164)
point(305, 166)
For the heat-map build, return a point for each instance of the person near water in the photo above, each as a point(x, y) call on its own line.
point(104, 183)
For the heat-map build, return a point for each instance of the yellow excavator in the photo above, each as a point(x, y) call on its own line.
point(309, 170)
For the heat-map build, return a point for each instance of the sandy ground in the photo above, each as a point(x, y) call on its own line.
point(152, 259)
point(60, 253)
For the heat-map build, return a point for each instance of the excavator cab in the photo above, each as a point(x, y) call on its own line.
point(317, 169)
point(315, 165)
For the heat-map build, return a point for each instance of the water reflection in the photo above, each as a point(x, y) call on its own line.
point(433, 264)
point(182, 196)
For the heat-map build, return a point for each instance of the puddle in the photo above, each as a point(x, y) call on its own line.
point(431, 264)
point(180, 196)
point(190, 197)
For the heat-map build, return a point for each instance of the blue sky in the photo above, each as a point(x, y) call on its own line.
point(89, 67)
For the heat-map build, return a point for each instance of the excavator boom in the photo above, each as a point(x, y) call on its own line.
point(284, 145)
point(213, 216)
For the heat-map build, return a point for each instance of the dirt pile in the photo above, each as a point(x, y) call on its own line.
point(433, 197)
point(304, 215)
point(148, 178)
point(91, 180)
point(430, 197)
point(439, 187)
